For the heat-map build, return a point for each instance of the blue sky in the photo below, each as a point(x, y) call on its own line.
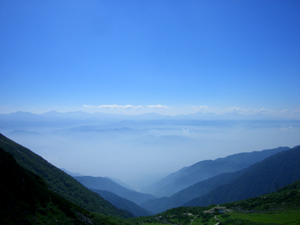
point(133, 57)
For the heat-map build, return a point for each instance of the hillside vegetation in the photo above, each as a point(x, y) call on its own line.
point(25, 199)
point(59, 182)
point(194, 191)
point(35, 195)
point(261, 178)
point(265, 177)
point(281, 207)
point(206, 169)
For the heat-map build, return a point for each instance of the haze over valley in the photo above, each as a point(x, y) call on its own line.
point(140, 151)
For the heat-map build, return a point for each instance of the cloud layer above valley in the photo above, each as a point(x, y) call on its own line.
point(173, 110)
point(114, 106)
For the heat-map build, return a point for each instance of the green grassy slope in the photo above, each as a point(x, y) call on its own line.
point(60, 182)
point(25, 199)
point(281, 207)
point(287, 197)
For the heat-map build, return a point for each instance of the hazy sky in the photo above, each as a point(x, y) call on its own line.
point(161, 56)
point(164, 56)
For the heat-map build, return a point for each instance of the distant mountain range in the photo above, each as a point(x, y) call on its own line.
point(106, 184)
point(203, 170)
point(111, 191)
point(70, 173)
point(21, 120)
point(122, 203)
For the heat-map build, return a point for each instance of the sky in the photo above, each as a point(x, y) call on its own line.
point(164, 56)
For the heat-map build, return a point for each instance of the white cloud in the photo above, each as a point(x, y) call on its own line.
point(261, 110)
point(139, 109)
point(114, 106)
point(219, 111)
point(234, 109)
point(202, 108)
point(158, 106)
point(296, 111)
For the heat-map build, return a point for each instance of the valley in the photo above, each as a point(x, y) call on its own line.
point(154, 146)
point(203, 192)
point(274, 171)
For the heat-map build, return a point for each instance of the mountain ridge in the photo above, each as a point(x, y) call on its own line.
point(205, 169)
point(106, 184)
point(198, 190)
point(26, 199)
point(59, 182)
point(261, 178)
point(280, 207)
point(122, 203)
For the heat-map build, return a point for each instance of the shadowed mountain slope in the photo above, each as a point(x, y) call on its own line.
point(194, 191)
point(267, 176)
point(205, 187)
point(122, 203)
point(106, 184)
point(280, 207)
point(203, 170)
point(59, 182)
point(25, 199)
point(287, 197)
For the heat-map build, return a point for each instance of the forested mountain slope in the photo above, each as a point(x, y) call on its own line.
point(203, 170)
point(267, 176)
point(59, 181)
point(25, 199)
point(204, 187)
point(194, 191)
point(280, 207)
